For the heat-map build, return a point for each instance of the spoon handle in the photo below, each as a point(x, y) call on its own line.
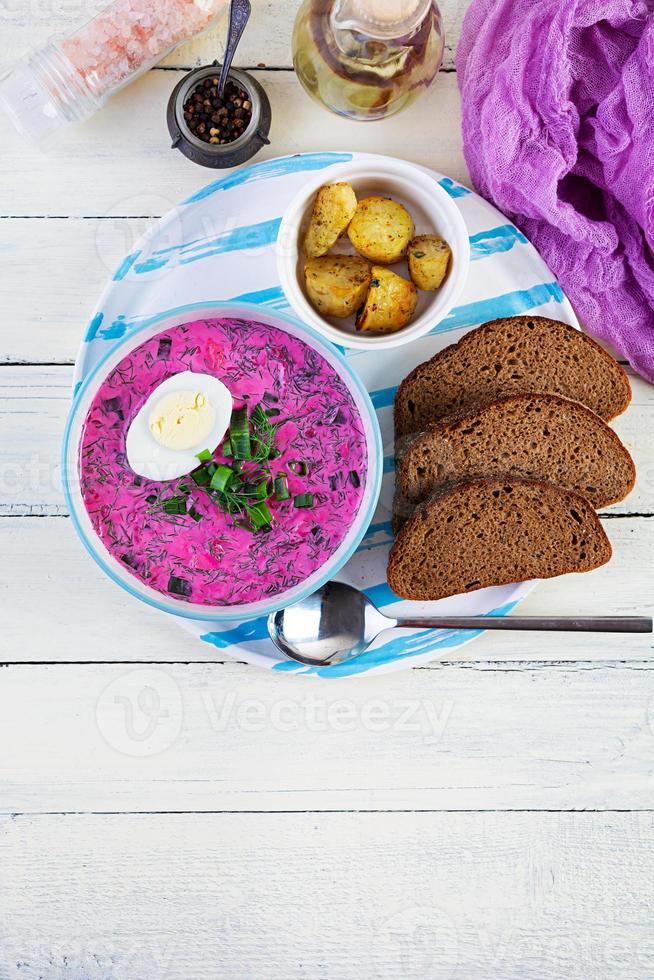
point(239, 14)
point(582, 624)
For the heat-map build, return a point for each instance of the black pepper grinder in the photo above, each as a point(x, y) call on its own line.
point(220, 121)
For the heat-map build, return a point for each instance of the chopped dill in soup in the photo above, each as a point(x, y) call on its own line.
point(250, 516)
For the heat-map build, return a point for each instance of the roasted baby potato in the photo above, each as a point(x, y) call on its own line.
point(390, 303)
point(332, 212)
point(381, 229)
point(337, 284)
point(429, 261)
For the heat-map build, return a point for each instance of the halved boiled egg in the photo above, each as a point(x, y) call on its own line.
point(182, 416)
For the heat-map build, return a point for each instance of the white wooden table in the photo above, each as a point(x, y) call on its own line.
point(168, 814)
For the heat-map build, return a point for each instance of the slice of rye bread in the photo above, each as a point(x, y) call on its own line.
point(539, 437)
point(518, 353)
point(478, 533)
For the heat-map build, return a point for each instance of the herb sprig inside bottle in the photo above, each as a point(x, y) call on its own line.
point(244, 488)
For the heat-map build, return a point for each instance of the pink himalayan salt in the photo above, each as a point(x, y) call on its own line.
point(131, 35)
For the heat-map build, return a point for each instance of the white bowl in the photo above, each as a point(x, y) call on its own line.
point(74, 430)
point(433, 212)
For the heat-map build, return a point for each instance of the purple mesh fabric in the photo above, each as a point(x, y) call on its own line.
point(558, 132)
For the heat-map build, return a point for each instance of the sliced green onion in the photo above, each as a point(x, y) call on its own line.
point(259, 514)
point(355, 479)
point(202, 476)
point(151, 498)
point(179, 586)
point(221, 477)
point(239, 433)
point(263, 490)
point(281, 487)
point(243, 486)
point(174, 505)
point(303, 500)
point(163, 350)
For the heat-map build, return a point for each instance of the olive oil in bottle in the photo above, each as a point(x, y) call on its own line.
point(367, 59)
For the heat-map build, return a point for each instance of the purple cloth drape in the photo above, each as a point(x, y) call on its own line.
point(558, 132)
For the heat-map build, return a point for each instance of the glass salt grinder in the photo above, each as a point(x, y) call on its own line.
point(69, 78)
point(367, 59)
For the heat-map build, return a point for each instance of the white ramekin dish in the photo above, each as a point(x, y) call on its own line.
point(433, 212)
point(114, 569)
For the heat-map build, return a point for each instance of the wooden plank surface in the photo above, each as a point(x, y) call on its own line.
point(201, 737)
point(120, 162)
point(74, 613)
point(460, 860)
point(266, 41)
point(315, 896)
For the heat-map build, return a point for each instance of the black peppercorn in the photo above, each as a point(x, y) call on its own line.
point(234, 135)
point(214, 119)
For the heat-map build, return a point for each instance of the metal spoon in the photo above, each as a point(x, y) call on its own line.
point(239, 14)
point(338, 622)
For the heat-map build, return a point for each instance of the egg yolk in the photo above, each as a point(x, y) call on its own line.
point(182, 420)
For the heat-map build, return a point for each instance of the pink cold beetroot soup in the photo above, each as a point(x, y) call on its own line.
point(251, 516)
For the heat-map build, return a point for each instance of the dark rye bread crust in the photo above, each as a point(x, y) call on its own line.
point(513, 354)
point(541, 437)
point(477, 533)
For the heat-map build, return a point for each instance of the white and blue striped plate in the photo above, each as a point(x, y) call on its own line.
point(220, 244)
